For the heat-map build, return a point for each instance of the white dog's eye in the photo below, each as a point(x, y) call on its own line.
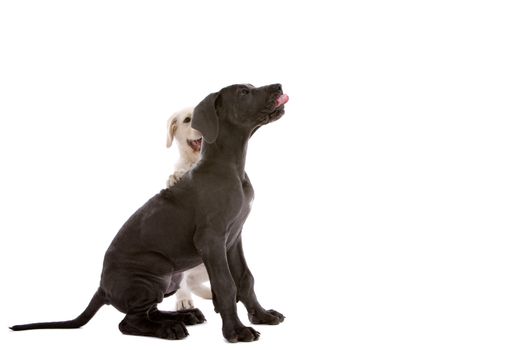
point(187, 120)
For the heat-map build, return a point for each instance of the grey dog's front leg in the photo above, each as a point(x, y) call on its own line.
point(245, 288)
point(213, 254)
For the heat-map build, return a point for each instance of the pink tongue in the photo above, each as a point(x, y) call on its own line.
point(281, 100)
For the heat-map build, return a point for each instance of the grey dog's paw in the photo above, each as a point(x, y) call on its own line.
point(192, 316)
point(172, 331)
point(266, 317)
point(164, 329)
point(244, 334)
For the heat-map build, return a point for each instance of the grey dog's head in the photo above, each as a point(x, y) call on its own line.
point(242, 106)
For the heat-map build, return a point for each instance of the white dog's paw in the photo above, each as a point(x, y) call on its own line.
point(171, 181)
point(174, 178)
point(185, 304)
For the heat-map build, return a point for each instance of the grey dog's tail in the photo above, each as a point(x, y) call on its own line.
point(96, 303)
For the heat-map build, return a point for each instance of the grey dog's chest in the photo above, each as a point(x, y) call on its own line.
point(238, 195)
point(248, 192)
point(245, 203)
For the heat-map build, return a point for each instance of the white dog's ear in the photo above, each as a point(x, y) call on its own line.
point(172, 128)
point(205, 118)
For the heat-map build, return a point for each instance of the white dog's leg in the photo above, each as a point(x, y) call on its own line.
point(183, 295)
point(195, 280)
point(202, 291)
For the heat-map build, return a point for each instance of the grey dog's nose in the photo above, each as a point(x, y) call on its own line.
point(277, 88)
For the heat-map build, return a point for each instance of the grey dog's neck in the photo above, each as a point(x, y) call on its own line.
point(228, 150)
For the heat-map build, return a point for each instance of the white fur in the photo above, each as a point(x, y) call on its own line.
point(181, 132)
point(192, 280)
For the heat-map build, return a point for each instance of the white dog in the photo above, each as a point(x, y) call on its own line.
point(189, 143)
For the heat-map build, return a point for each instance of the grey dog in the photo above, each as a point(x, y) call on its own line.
point(200, 219)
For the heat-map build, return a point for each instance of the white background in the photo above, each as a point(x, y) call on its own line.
point(390, 198)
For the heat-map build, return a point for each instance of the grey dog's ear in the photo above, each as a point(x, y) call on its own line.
point(205, 118)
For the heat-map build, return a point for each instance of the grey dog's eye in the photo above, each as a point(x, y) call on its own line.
point(245, 92)
point(187, 120)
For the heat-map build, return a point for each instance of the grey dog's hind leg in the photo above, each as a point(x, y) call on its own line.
point(161, 324)
point(138, 299)
point(140, 324)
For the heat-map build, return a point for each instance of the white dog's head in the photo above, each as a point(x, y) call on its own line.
point(188, 140)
